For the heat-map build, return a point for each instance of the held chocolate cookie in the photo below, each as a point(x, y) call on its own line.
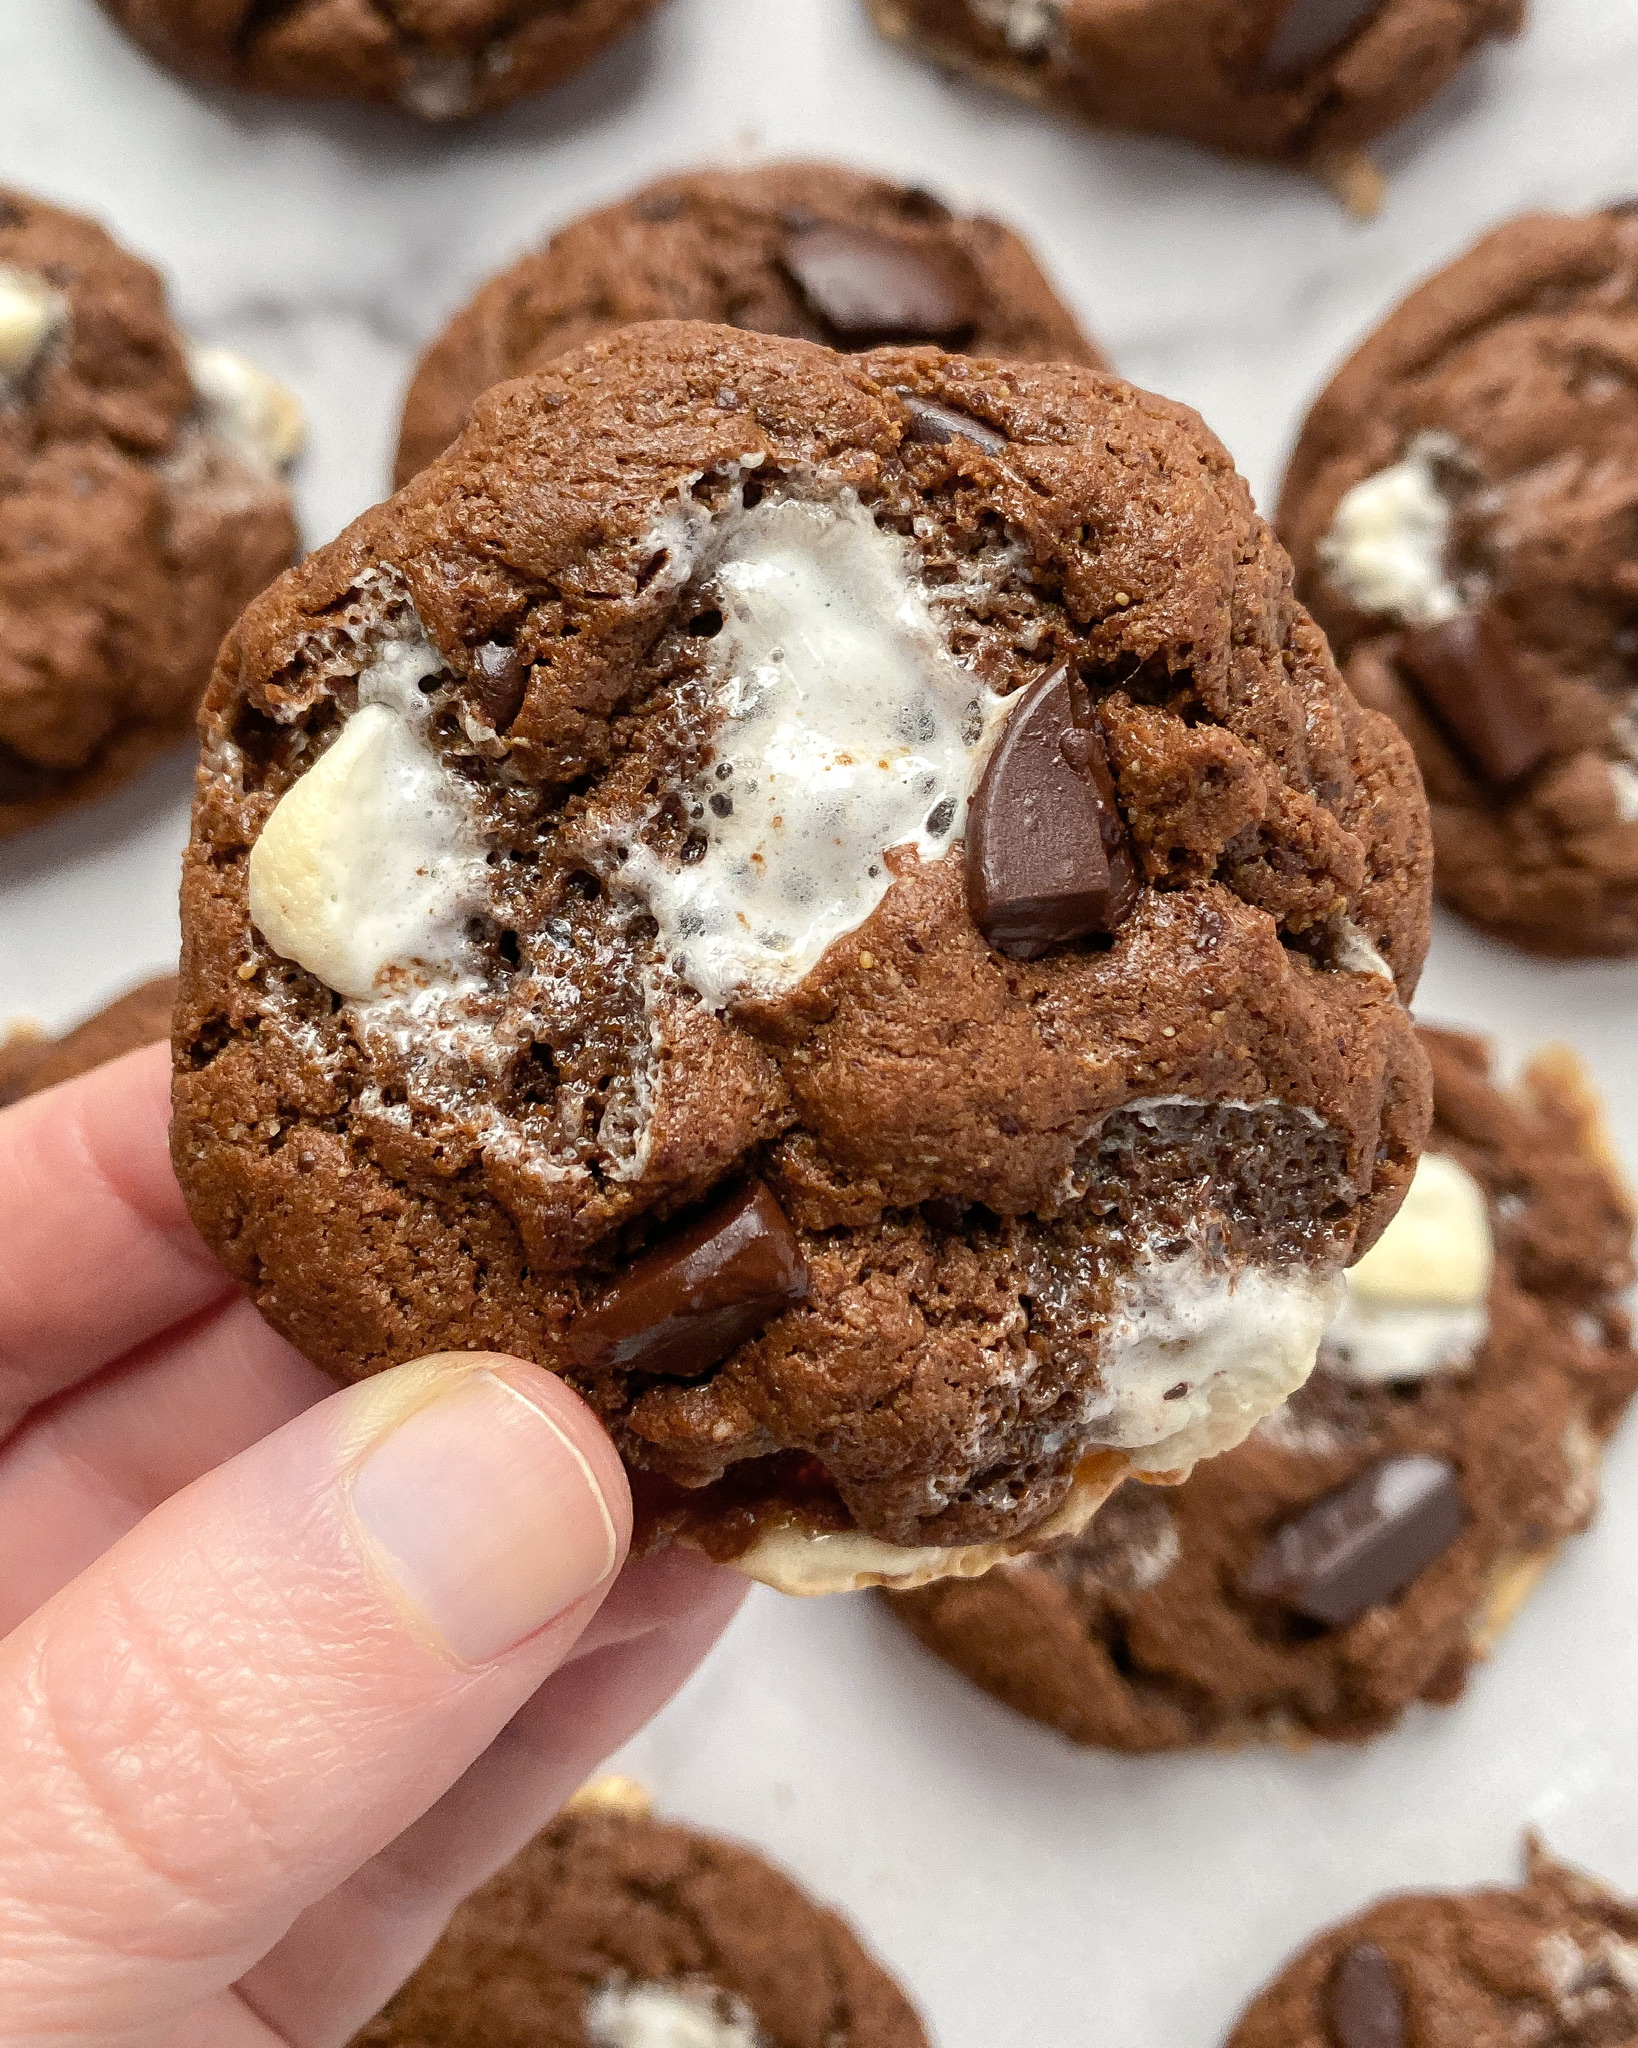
point(1460, 511)
point(613, 1930)
point(440, 61)
point(1552, 1964)
point(144, 505)
point(839, 903)
point(1304, 81)
point(1373, 1538)
point(30, 1062)
point(803, 249)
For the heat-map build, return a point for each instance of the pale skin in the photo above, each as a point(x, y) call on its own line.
point(259, 1731)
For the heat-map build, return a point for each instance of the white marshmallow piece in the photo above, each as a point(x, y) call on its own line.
point(1417, 1303)
point(369, 861)
point(1387, 546)
point(247, 407)
point(667, 2016)
point(31, 313)
point(1027, 25)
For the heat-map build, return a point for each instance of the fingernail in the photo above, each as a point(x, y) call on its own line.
point(485, 1516)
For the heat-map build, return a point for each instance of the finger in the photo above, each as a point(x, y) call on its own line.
point(96, 1251)
point(343, 1959)
point(276, 1673)
point(84, 1469)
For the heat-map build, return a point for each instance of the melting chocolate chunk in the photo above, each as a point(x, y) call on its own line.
point(1047, 854)
point(1468, 674)
point(869, 288)
point(1310, 30)
point(937, 424)
point(23, 781)
point(500, 677)
point(1364, 2002)
point(685, 1305)
point(1363, 1544)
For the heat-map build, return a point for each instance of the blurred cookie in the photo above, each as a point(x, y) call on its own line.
point(1306, 81)
point(803, 249)
point(835, 900)
point(440, 61)
point(1552, 1964)
point(1374, 1536)
point(145, 503)
point(30, 1062)
point(612, 1930)
point(1460, 513)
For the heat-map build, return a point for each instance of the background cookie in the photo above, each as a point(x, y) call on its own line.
point(1459, 509)
point(802, 249)
point(457, 57)
point(615, 1931)
point(144, 505)
point(30, 1062)
point(611, 783)
point(1304, 80)
point(1554, 1961)
point(1376, 1535)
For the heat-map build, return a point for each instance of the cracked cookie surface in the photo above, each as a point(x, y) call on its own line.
point(145, 504)
point(580, 844)
point(811, 250)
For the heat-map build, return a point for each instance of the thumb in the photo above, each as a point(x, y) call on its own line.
point(275, 1673)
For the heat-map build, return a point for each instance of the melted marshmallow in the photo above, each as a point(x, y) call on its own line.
point(371, 860)
point(847, 729)
point(667, 2016)
point(1027, 25)
point(31, 313)
point(1236, 1341)
point(1389, 537)
point(1417, 1302)
point(246, 406)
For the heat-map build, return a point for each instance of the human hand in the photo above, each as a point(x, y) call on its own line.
point(289, 1670)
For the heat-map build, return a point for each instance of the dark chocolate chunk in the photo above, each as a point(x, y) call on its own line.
point(500, 678)
point(1363, 1544)
point(945, 1212)
point(685, 1305)
point(1047, 854)
point(23, 781)
point(869, 288)
point(1310, 30)
point(1364, 2001)
point(937, 424)
point(1468, 674)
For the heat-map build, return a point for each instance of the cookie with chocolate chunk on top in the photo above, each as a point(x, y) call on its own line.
point(1553, 1960)
point(615, 1930)
point(143, 480)
point(1373, 1538)
point(31, 1062)
point(1459, 510)
point(1305, 82)
point(441, 63)
point(807, 249)
point(630, 921)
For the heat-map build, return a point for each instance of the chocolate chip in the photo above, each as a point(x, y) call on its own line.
point(1047, 854)
point(1468, 673)
point(23, 781)
point(945, 1212)
point(1364, 2001)
point(937, 424)
point(699, 1295)
point(500, 677)
point(1363, 1544)
point(1310, 30)
point(868, 288)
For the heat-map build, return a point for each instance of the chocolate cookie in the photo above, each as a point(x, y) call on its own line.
point(1555, 1961)
point(1376, 1535)
point(801, 249)
point(1305, 81)
point(612, 1930)
point(440, 59)
point(30, 1062)
point(1459, 509)
point(838, 902)
point(144, 505)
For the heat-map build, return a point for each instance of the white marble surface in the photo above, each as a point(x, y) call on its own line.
point(1029, 1894)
